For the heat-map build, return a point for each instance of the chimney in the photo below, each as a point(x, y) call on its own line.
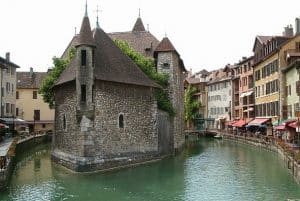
point(7, 56)
point(31, 72)
point(288, 31)
point(297, 25)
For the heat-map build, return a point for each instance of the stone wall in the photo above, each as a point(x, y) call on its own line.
point(165, 133)
point(289, 162)
point(176, 93)
point(95, 141)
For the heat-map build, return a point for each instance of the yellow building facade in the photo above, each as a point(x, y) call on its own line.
point(267, 87)
point(30, 105)
point(270, 83)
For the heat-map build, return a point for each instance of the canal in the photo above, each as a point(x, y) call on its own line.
point(208, 170)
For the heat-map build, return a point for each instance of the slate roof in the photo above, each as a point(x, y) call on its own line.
point(85, 36)
point(26, 81)
point(4, 62)
point(165, 46)
point(192, 80)
point(111, 64)
point(139, 39)
point(138, 26)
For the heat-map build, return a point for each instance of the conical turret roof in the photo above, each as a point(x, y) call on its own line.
point(85, 36)
point(165, 46)
point(138, 26)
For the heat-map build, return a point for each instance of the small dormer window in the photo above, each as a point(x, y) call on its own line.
point(83, 57)
point(166, 65)
point(147, 49)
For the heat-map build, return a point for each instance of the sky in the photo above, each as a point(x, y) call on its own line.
point(208, 34)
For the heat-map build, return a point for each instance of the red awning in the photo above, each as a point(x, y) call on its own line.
point(293, 124)
point(258, 121)
point(240, 123)
point(230, 123)
point(281, 127)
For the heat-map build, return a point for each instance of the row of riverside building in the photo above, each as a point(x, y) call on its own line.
point(260, 90)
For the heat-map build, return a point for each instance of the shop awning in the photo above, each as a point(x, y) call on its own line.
point(240, 123)
point(243, 94)
point(230, 123)
point(281, 127)
point(293, 124)
point(258, 121)
point(249, 109)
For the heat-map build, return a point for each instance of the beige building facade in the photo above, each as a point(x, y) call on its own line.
point(30, 105)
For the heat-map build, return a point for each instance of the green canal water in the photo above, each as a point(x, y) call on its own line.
point(208, 170)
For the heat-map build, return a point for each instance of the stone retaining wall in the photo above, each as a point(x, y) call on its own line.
point(22, 145)
point(271, 145)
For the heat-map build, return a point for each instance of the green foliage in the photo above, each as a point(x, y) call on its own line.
point(191, 106)
point(148, 67)
point(48, 83)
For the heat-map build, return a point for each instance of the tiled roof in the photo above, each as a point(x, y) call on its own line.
point(85, 36)
point(141, 41)
point(4, 62)
point(264, 39)
point(165, 46)
point(138, 26)
point(27, 81)
point(191, 80)
point(111, 64)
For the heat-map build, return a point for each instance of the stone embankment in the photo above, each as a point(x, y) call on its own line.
point(271, 144)
point(10, 148)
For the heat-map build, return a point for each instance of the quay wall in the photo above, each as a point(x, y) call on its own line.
point(22, 145)
point(271, 145)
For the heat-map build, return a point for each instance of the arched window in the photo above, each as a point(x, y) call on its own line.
point(121, 121)
point(64, 122)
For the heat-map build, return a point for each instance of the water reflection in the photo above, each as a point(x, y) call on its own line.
point(208, 170)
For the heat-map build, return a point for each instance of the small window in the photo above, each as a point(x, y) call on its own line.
point(7, 109)
point(64, 122)
point(17, 111)
point(83, 57)
point(83, 93)
point(121, 121)
point(166, 65)
point(34, 95)
point(44, 125)
point(17, 94)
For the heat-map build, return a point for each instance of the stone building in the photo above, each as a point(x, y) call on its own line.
point(37, 114)
point(8, 86)
point(105, 110)
point(168, 61)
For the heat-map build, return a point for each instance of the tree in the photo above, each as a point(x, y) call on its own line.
point(148, 67)
point(46, 89)
point(191, 105)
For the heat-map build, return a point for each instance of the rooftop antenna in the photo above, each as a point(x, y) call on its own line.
point(148, 27)
point(86, 13)
point(166, 35)
point(139, 12)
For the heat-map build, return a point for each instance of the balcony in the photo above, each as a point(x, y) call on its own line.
point(291, 55)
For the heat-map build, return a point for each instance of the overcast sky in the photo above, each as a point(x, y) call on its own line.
point(208, 34)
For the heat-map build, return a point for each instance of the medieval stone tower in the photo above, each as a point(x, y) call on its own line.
point(168, 61)
point(105, 107)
